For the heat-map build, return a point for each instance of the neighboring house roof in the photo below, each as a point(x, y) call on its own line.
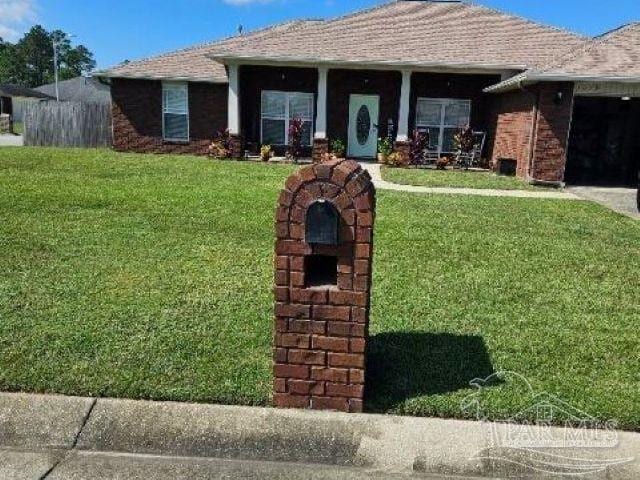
point(9, 90)
point(417, 34)
point(194, 63)
point(79, 89)
point(613, 57)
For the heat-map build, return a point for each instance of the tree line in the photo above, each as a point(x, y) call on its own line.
point(29, 62)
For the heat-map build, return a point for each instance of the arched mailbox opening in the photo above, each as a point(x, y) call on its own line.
point(322, 224)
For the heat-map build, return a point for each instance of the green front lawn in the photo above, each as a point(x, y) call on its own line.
point(150, 277)
point(454, 178)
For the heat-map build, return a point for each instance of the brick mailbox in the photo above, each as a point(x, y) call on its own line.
point(324, 228)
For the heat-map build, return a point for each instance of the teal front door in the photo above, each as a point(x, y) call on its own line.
point(363, 126)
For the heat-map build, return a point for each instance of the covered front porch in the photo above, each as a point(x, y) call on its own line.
point(356, 106)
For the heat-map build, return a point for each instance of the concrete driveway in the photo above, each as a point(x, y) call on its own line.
point(11, 140)
point(621, 200)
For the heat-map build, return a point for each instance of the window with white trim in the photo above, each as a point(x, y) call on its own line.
point(277, 111)
point(175, 111)
point(442, 118)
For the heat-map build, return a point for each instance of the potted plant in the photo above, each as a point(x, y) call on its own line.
point(442, 163)
point(265, 153)
point(385, 148)
point(338, 148)
point(397, 159)
point(221, 146)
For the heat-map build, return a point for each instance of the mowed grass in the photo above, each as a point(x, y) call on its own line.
point(454, 178)
point(150, 277)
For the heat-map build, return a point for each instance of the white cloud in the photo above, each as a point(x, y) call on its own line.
point(14, 16)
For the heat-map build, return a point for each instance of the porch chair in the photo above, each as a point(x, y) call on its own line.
point(429, 156)
point(470, 159)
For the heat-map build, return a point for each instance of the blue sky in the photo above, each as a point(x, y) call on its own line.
point(116, 30)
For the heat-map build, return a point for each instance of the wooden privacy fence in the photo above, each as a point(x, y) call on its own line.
point(67, 124)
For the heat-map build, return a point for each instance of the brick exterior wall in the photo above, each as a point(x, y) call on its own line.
point(137, 116)
point(519, 114)
point(512, 122)
point(552, 132)
point(321, 331)
point(320, 148)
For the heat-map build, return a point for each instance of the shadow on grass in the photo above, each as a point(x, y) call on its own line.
point(401, 366)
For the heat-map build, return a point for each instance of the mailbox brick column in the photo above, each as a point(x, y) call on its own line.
point(321, 331)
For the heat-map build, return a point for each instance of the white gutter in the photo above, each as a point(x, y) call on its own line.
point(533, 77)
point(362, 64)
point(175, 78)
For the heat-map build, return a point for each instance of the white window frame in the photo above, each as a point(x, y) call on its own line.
point(285, 117)
point(444, 102)
point(165, 110)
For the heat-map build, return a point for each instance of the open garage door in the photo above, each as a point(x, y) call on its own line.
point(604, 145)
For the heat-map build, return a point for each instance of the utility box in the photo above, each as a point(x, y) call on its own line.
point(324, 249)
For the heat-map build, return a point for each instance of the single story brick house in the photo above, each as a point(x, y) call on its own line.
point(565, 106)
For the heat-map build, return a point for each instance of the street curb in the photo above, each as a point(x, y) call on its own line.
point(391, 444)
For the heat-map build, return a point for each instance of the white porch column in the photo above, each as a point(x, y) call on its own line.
point(233, 112)
point(405, 100)
point(321, 107)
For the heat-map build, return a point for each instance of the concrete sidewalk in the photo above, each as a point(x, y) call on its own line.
point(621, 200)
point(374, 170)
point(56, 437)
point(11, 141)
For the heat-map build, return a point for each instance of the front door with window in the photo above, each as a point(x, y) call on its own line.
point(363, 125)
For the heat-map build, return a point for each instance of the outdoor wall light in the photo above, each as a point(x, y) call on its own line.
point(558, 98)
point(625, 99)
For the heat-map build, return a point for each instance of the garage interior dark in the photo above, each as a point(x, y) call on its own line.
point(604, 145)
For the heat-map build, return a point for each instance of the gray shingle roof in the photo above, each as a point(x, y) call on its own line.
point(79, 89)
point(416, 33)
point(193, 63)
point(614, 54)
point(9, 90)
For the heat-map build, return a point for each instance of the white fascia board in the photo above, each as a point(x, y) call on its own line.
point(365, 65)
point(175, 78)
point(533, 77)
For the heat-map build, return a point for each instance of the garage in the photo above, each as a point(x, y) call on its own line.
point(604, 143)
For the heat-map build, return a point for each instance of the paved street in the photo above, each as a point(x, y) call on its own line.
point(30, 465)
